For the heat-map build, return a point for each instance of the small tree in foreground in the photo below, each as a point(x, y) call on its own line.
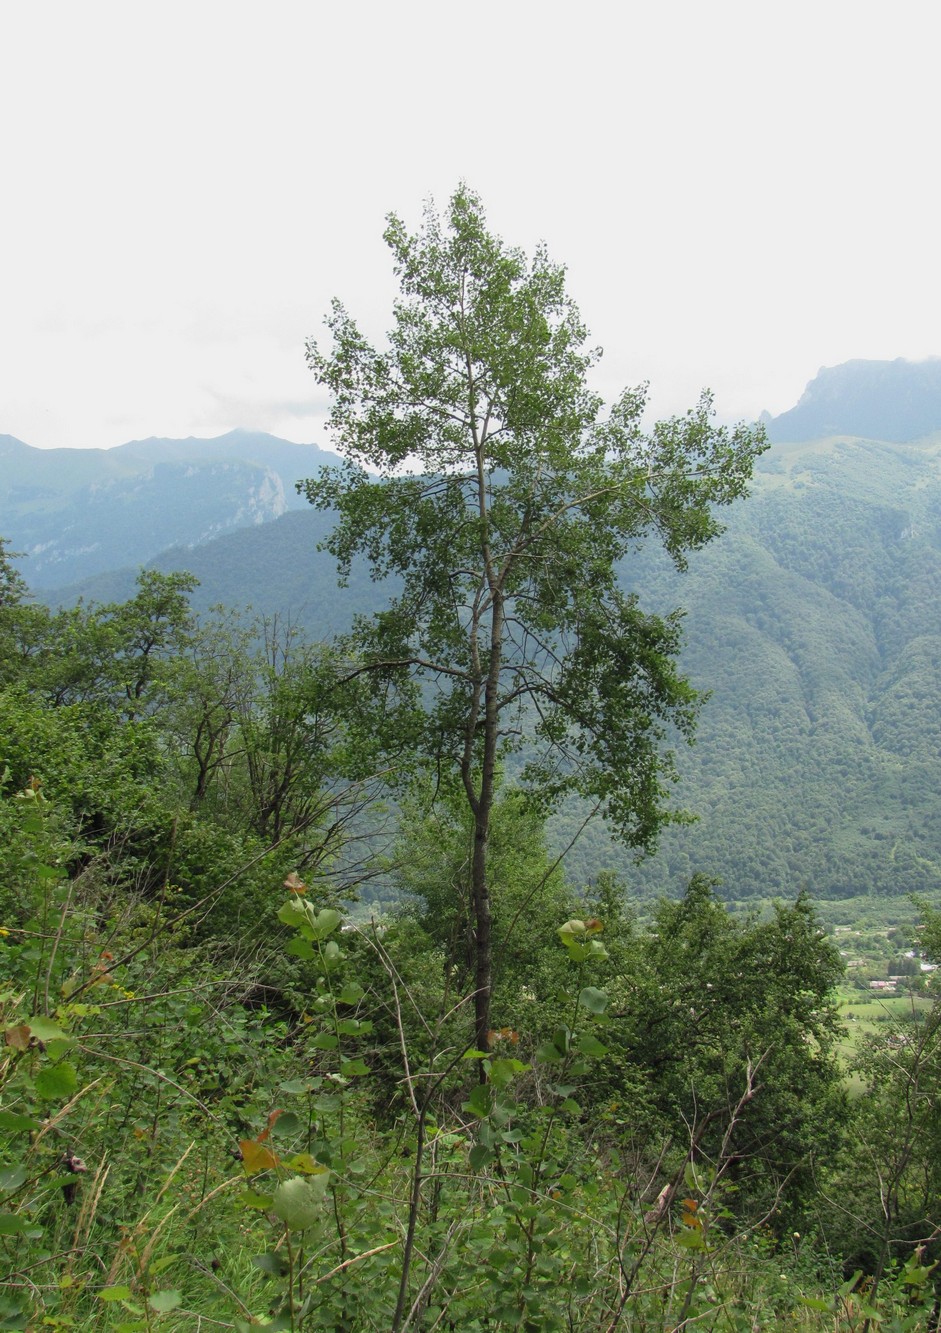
point(522, 497)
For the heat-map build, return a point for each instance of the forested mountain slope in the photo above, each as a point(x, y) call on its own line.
point(77, 513)
point(815, 623)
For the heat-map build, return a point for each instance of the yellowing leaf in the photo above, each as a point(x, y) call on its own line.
point(256, 1157)
point(303, 1161)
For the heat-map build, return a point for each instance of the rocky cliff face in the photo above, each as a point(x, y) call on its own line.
point(75, 513)
point(895, 401)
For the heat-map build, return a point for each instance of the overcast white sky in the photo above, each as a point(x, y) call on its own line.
point(742, 191)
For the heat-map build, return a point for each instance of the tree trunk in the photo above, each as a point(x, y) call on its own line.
point(480, 887)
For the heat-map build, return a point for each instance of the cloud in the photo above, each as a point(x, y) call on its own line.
point(186, 194)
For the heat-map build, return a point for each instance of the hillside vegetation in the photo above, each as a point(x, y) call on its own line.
point(222, 1101)
point(816, 625)
point(306, 1023)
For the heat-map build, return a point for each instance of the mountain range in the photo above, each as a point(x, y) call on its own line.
point(876, 400)
point(76, 513)
point(814, 622)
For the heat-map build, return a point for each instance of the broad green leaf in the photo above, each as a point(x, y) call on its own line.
point(252, 1199)
point(869, 1312)
point(294, 913)
point(592, 999)
point(354, 1027)
point(698, 1178)
point(12, 1177)
point(326, 922)
point(11, 1224)
point(57, 1047)
point(299, 1201)
point(164, 1301)
point(479, 1156)
point(44, 1029)
point(503, 1071)
point(18, 1123)
point(115, 1294)
point(353, 1068)
point(480, 1100)
point(590, 1045)
point(56, 1081)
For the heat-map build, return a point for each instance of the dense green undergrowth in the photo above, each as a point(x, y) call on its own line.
point(211, 1119)
point(506, 1103)
point(224, 1105)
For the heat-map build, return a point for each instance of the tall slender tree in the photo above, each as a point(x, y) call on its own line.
point(508, 498)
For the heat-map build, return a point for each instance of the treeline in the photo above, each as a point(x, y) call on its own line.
point(223, 1099)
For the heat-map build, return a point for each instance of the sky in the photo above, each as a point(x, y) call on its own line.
point(742, 192)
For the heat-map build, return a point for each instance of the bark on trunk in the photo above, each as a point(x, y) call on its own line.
point(483, 934)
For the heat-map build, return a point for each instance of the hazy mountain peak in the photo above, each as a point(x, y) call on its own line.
point(877, 400)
